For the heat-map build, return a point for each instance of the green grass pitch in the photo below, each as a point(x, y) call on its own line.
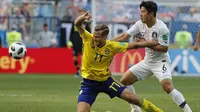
point(58, 93)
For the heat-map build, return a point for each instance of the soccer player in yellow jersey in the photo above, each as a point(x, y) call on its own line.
point(98, 53)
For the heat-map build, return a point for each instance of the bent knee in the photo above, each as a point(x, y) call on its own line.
point(167, 87)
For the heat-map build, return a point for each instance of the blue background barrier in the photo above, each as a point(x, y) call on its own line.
point(191, 58)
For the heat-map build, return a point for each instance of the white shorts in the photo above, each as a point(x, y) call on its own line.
point(143, 70)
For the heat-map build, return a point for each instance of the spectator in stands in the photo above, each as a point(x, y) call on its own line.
point(26, 13)
point(57, 9)
point(44, 10)
point(5, 6)
point(3, 21)
point(46, 38)
point(184, 40)
point(193, 16)
point(82, 4)
point(18, 19)
point(13, 35)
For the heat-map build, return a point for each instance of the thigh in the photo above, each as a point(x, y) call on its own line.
point(141, 70)
point(83, 107)
point(128, 78)
point(161, 70)
point(88, 91)
point(113, 88)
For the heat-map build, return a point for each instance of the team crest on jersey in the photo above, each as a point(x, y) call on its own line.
point(154, 35)
point(107, 52)
point(142, 34)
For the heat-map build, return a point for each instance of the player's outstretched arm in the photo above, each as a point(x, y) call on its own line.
point(142, 44)
point(160, 48)
point(79, 21)
point(121, 37)
point(196, 45)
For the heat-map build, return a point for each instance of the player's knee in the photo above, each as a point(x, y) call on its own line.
point(167, 87)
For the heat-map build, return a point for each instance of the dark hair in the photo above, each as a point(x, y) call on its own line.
point(45, 24)
point(103, 28)
point(150, 6)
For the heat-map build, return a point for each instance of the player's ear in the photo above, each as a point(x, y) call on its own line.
point(152, 14)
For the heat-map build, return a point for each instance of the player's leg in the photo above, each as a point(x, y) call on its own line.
point(134, 108)
point(137, 72)
point(83, 107)
point(114, 88)
point(143, 103)
point(75, 58)
point(87, 95)
point(163, 73)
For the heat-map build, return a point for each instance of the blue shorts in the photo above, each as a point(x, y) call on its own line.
point(90, 89)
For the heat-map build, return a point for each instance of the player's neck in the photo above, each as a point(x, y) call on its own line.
point(101, 45)
point(151, 23)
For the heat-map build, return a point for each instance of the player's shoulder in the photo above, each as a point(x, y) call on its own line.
point(111, 44)
point(162, 26)
point(139, 22)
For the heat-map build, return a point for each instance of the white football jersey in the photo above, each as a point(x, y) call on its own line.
point(158, 32)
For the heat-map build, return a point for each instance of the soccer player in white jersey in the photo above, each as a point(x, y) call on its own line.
point(157, 60)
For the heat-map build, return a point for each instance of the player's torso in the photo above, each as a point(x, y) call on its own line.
point(96, 60)
point(153, 33)
point(150, 33)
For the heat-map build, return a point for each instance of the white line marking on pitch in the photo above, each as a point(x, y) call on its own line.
point(15, 95)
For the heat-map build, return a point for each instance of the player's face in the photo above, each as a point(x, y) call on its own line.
point(144, 14)
point(98, 38)
point(45, 28)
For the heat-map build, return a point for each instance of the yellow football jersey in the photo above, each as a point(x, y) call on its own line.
point(96, 61)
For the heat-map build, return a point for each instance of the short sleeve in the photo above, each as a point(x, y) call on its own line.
point(86, 36)
point(120, 46)
point(163, 39)
point(134, 29)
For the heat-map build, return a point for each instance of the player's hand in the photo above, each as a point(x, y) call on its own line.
point(87, 17)
point(195, 47)
point(139, 39)
point(150, 43)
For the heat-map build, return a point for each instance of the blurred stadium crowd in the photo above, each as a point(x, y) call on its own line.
point(39, 21)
